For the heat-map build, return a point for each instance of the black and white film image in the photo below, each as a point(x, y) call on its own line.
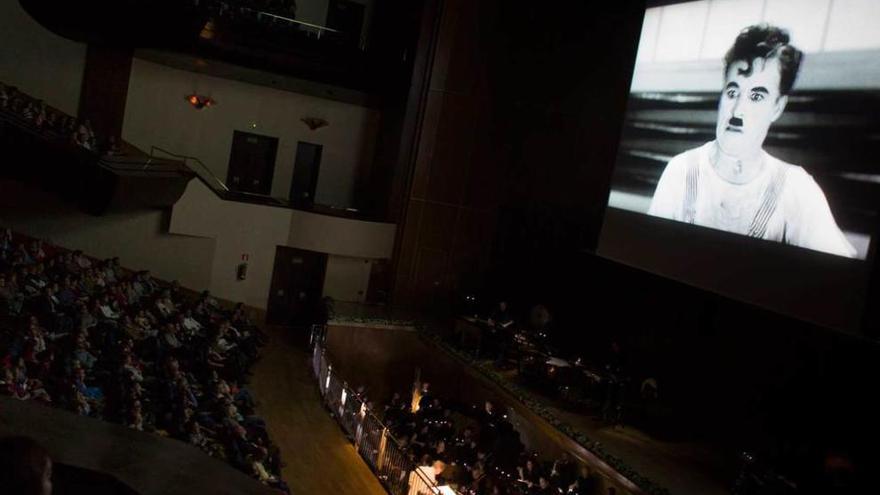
point(757, 117)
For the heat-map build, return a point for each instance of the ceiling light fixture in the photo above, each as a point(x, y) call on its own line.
point(315, 122)
point(199, 102)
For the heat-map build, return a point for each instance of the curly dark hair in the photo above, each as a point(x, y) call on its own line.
point(766, 41)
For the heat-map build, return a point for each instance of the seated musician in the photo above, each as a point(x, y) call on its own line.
point(500, 316)
point(539, 322)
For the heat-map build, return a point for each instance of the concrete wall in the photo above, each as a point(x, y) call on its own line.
point(347, 278)
point(341, 236)
point(37, 61)
point(156, 114)
point(255, 230)
point(201, 243)
point(139, 239)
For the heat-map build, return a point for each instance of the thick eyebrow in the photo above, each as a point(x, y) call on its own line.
point(731, 84)
point(761, 89)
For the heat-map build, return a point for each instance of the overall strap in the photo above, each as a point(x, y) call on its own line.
point(769, 201)
point(689, 208)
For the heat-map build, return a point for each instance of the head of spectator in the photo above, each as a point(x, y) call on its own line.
point(25, 467)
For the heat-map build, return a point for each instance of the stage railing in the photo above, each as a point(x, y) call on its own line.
point(390, 463)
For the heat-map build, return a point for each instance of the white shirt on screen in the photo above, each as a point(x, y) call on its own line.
point(783, 203)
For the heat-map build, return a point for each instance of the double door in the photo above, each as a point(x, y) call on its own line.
point(297, 286)
point(252, 163)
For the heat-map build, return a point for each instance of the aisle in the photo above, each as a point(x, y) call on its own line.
point(319, 458)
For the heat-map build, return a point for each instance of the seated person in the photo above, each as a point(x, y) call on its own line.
point(529, 472)
point(10, 296)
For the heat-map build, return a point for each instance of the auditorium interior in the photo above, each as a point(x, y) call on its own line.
point(362, 247)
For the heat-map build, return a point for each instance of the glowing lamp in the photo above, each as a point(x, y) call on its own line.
point(199, 102)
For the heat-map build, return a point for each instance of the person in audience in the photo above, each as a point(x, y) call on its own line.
point(25, 467)
point(85, 136)
point(10, 296)
point(165, 307)
point(87, 319)
point(81, 260)
point(585, 483)
point(189, 323)
point(113, 147)
point(4, 97)
point(107, 309)
point(29, 112)
point(529, 472)
point(563, 472)
point(36, 251)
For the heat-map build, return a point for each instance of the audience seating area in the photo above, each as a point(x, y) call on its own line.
point(51, 122)
point(99, 340)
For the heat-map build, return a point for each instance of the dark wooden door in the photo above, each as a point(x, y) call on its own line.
point(380, 283)
point(305, 173)
point(297, 286)
point(252, 163)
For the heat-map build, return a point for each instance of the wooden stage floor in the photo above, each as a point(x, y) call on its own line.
point(319, 459)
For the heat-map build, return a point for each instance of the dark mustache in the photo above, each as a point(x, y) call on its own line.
point(736, 121)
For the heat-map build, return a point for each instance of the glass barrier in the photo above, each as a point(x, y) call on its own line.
point(371, 438)
point(256, 23)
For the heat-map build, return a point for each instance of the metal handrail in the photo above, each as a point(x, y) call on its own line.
point(224, 192)
point(292, 21)
point(186, 159)
point(370, 436)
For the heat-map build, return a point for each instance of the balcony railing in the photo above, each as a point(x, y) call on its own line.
point(371, 438)
point(224, 192)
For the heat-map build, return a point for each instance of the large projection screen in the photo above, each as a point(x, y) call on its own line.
point(748, 160)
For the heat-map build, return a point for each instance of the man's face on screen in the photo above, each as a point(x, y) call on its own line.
point(748, 105)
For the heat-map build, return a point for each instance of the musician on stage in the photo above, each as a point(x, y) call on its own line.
point(499, 334)
point(500, 317)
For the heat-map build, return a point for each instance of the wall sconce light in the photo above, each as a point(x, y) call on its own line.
point(315, 122)
point(199, 102)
